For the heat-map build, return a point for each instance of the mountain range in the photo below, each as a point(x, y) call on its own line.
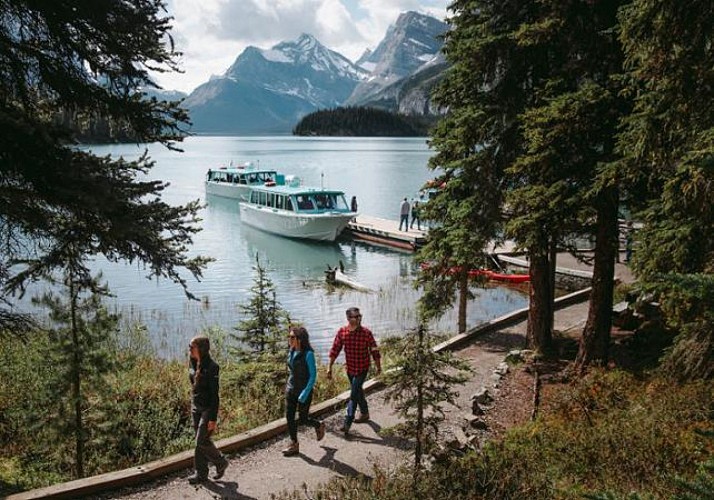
point(269, 90)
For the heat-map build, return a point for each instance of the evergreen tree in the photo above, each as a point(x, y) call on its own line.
point(564, 184)
point(88, 58)
point(262, 332)
point(80, 350)
point(533, 110)
point(668, 142)
point(474, 144)
point(422, 382)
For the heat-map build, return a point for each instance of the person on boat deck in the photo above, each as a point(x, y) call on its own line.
point(359, 344)
point(298, 390)
point(353, 204)
point(203, 375)
point(415, 216)
point(404, 215)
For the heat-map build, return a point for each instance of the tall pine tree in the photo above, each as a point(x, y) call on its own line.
point(91, 58)
point(668, 143)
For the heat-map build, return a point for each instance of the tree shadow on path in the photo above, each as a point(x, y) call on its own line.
point(385, 440)
point(329, 462)
point(227, 490)
point(501, 341)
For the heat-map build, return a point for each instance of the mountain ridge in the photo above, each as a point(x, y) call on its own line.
point(270, 90)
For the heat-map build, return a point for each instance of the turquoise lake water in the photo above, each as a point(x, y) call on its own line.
point(380, 172)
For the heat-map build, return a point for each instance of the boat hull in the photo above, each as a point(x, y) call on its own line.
point(240, 192)
point(321, 227)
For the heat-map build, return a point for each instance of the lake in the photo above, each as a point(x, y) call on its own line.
point(379, 171)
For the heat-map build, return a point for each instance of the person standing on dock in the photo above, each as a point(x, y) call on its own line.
point(359, 345)
point(415, 216)
point(404, 215)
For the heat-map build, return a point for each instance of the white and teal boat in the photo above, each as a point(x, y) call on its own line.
point(294, 211)
point(237, 181)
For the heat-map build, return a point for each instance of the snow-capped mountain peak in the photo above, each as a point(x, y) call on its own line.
point(413, 41)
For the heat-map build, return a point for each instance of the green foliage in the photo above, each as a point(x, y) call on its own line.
point(87, 58)
point(80, 349)
point(687, 303)
point(668, 144)
point(422, 381)
point(265, 322)
point(701, 487)
point(361, 122)
point(143, 415)
point(609, 436)
point(139, 411)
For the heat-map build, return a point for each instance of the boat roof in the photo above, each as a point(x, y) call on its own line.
point(294, 190)
point(244, 170)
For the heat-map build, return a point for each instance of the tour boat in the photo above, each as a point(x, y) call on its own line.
point(288, 209)
point(237, 181)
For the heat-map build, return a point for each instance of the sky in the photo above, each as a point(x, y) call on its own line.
point(211, 34)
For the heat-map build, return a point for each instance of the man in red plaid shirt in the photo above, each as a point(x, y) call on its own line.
point(358, 344)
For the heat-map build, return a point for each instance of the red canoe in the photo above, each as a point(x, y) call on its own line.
point(491, 275)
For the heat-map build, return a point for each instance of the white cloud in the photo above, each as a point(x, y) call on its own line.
point(212, 33)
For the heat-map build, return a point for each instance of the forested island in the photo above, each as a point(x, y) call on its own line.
point(362, 122)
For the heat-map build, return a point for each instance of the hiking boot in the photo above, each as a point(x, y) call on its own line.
point(196, 479)
point(320, 431)
point(345, 429)
point(292, 450)
point(220, 470)
point(364, 417)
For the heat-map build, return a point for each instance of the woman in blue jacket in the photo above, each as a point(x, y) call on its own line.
point(298, 390)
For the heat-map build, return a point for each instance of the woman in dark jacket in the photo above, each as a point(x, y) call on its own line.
point(298, 391)
point(203, 374)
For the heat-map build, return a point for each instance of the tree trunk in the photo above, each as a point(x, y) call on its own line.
point(539, 332)
point(463, 299)
point(76, 383)
point(595, 341)
point(418, 449)
point(553, 263)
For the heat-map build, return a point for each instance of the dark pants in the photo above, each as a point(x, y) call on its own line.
point(404, 220)
point(205, 451)
point(303, 410)
point(356, 397)
point(415, 218)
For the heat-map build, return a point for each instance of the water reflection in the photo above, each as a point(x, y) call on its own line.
point(302, 256)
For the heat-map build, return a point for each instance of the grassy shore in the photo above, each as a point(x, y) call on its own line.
point(139, 413)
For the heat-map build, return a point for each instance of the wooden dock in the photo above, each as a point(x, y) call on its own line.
point(385, 232)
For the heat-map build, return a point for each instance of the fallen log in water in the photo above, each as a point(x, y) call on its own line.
point(335, 276)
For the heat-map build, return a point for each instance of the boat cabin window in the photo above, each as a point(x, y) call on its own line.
point(324, 201)
point(304, 202)
point(279, 198)
point(289, 204)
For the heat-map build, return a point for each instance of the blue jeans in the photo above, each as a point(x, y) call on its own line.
point(356, 397)
point(404, 219)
